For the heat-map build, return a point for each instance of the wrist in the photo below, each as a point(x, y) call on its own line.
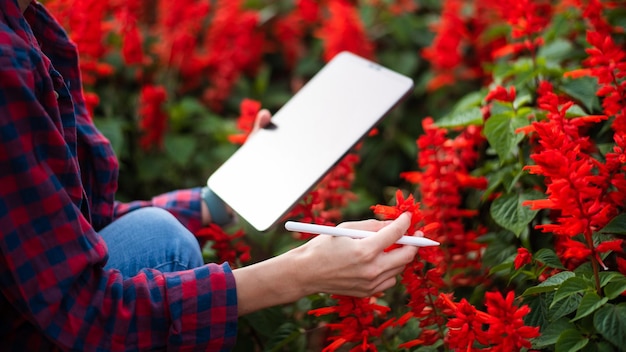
point(217, 211)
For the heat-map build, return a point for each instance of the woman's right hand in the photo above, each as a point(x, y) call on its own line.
point(336, 265)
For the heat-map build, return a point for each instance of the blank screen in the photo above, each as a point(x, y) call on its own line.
point(276, 167)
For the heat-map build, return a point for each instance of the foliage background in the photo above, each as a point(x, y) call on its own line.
point(167, 83)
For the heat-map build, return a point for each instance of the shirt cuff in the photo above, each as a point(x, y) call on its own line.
point(203, 309)
point(220, 214)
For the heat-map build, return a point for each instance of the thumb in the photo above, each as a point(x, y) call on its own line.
point(389, 234)
point(263, 118)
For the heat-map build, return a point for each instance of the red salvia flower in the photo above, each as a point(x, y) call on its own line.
point(178, 29)
point(403, 205)
point(466, 326)
point(309, 9)
point(445, 165)
point(507, 330)
point(152, 118)
point(233, 46)
point(229, 248)
point(248, 110)
point(446, 52)
point(501, 328)
point(501, 94)
point(357, 322)
point(607, 62)
point(577, 184)
point(126, 16)
point(342, 29)
point(92, 100)
point(290, 31)
point(522, 258)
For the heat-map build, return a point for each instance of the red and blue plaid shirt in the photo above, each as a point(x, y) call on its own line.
point(58, 176)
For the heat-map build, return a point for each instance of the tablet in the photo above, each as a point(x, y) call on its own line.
point(277, 166)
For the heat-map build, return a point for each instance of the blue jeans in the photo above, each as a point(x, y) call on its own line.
point(150, 238)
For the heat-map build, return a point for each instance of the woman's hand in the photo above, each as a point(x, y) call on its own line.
point(338, 265)
point(263, 118)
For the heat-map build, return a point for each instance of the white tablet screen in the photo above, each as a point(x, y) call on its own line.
point(271, 172)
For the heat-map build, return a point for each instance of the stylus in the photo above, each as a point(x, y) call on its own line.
point(342, 231)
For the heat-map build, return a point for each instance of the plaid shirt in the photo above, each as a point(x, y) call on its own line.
point(58, 176)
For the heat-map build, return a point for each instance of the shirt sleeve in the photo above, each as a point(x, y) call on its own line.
point(51, 259)
point(183, 204)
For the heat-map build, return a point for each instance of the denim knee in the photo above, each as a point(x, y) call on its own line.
point(150, 238)
point(181, 246)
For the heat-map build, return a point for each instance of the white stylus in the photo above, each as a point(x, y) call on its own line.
point(342, 231)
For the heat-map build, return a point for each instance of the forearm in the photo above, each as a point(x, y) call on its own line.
point(336, 265)
point(272, 282)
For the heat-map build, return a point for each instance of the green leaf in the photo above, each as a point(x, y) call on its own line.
point(571, 286)
point(575, 111)
point(601, 346)
point(538, 305)
point(265, 321)
point(472, 116)
point(564, 306)
point(521, 100)
point(508, 212)
point(571, 340)
point(551, 284)
point(608, 276)
point(500, 132)
point(610, 322)
point(584, 90)
point(180, 148)
point(471, 100)
point(112, 129)
point(590, 303)
point(282, 337)
point(548, 257)
point(552, 332)
point(616, 226)
point(556, 51)
point(615, 288)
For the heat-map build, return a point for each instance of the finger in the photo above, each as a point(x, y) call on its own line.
point(390, 233)
point(367, 225)
point(387, 283)
point(263, 118)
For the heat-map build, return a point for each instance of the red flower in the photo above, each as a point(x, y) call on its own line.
point(249, 109)
point(233, 46)
point(445, 52)
point(466, 325)
point(501, 328)
point(178, 31)
point(578, 186)
point(92, 100)
point(607, 62)
point(615, 245)
point(343, 30)
point(523, 257)
point(402, 205)
point(228, 247)
point(507, 330)
point(500, 93)
point(132, 43)
point(152, 118)
point(357, 322)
